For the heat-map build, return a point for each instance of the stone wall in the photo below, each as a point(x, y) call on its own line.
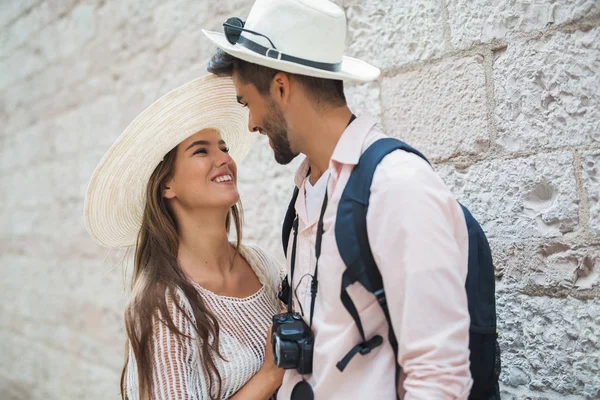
point(504, 96)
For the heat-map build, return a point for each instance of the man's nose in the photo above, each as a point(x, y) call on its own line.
point(252, 127)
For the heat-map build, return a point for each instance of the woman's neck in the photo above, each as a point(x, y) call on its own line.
point(204, 244)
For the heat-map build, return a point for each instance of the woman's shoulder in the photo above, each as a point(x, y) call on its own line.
point(265, 264)
point(177, 303)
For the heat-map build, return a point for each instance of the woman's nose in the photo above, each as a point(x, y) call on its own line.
point(223, 159)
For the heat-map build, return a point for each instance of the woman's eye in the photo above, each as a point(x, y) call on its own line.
point(200, 151)
point(225, 149)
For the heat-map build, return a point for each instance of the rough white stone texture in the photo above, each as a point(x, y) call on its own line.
point(547, 93)
point(74, 74)
point(519, 198)
point(132, 44)
point(439, 109)
point(390, 33)
point(44, 85)
point(480, 21)
point(364, 99)
point(114, 14)
point(29, 25)
point(591, 178)
point(548, 267)
point(550, 347)
point(10, 10)
point(59, 39)
point(591, 182)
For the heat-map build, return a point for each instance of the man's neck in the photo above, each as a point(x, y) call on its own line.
point(323, 133)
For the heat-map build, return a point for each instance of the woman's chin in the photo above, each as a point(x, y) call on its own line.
point(232, 199)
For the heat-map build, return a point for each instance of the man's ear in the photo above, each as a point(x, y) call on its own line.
point(168, 192)
point(281, 88)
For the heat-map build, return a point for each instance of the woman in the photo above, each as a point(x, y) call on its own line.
point(200, 307)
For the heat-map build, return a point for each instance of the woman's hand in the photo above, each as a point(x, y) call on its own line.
point(269, 364)
point(266, 381)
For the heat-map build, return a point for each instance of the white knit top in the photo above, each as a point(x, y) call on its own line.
point(243, 324)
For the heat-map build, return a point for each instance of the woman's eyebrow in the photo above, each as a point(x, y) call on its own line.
point(202, 143)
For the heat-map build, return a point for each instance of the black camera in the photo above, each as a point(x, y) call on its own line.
point(292, 342)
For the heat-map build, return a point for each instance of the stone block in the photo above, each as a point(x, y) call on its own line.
point(389, 33)
point(591, 178)
point(519, 198)
point(547, 93)
point(364, 99)
point(548, 267)
point(439, 109)
point(480, 21)
point(541, 338)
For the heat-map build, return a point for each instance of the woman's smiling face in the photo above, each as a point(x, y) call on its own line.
point(205, 175)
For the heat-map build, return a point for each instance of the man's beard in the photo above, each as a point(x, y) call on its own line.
point(276, 127)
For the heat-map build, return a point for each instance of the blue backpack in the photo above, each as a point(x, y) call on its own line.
point(353, 245)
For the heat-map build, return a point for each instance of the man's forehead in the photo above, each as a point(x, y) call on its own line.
point(236, 79)
point(242, 89)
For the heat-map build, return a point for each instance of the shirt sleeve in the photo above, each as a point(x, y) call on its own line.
point(419, 240)
point(175, 358)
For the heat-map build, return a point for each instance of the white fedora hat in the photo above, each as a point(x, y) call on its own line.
point(305, 37)
point(116, 195)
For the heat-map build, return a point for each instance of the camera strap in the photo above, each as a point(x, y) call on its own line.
point(314, 284)
point(293, 264)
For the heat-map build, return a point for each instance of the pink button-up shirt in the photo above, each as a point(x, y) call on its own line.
point(418, 237)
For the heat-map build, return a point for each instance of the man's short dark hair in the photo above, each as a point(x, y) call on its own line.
point(325, 92)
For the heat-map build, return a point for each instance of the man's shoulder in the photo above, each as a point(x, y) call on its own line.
point(401, 168)
point(402, 162)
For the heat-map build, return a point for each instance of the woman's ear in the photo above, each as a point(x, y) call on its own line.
point(168, 192)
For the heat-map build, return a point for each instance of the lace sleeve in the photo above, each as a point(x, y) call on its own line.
point(175, 362)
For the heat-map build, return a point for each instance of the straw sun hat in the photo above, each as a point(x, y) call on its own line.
point(116, 195)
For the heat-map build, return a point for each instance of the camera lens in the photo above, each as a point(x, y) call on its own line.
point(277, 350)
point(285, 353)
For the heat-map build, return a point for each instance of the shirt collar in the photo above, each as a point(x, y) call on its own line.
point(348, 148)
point(301, 172)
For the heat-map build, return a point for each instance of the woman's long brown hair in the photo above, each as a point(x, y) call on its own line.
point(156, 278)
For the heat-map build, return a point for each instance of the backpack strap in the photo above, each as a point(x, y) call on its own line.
point(353, 243)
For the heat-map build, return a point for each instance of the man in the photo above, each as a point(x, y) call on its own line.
point(288, 68)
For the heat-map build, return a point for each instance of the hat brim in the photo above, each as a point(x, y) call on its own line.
point(116, 195)
point(351, 68)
